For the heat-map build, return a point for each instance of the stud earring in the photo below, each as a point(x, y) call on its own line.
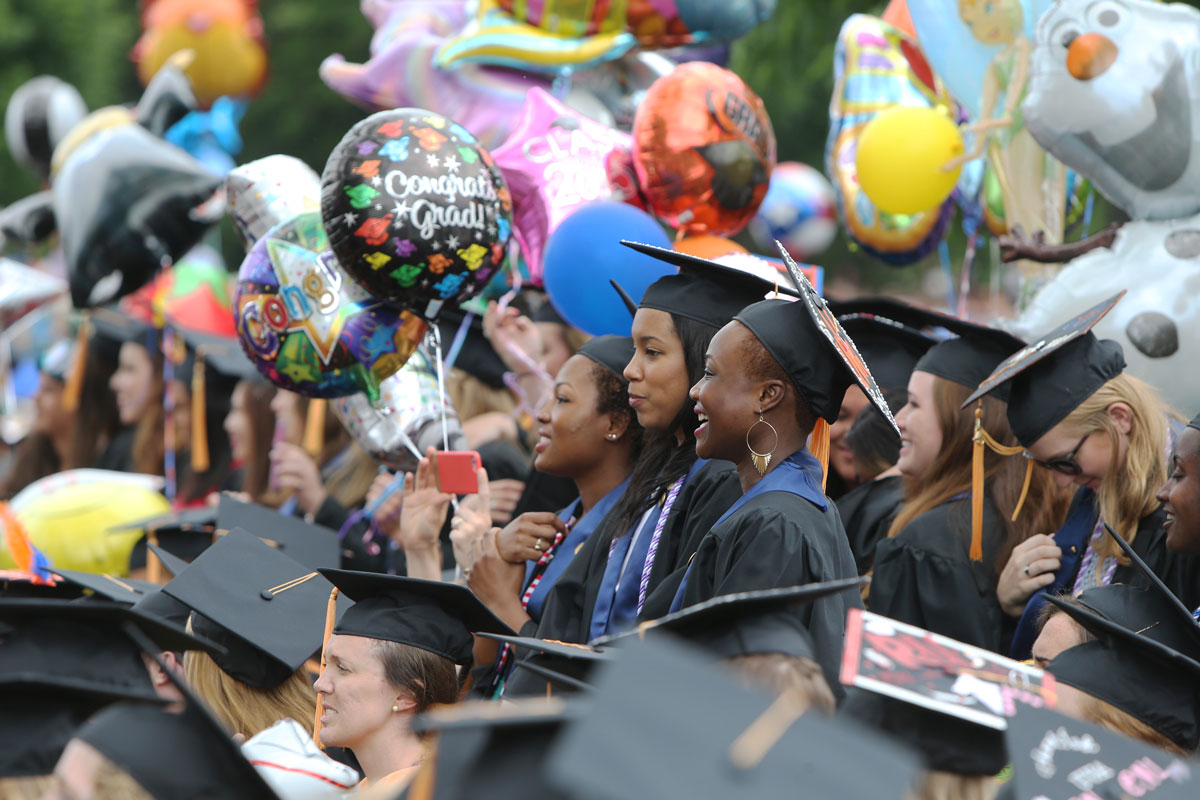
point(395, 709)
point(761, 460)
point(612, 437)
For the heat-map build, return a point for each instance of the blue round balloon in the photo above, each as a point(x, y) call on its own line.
point(584, 253)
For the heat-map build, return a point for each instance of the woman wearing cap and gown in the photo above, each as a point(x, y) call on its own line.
point(395, 653)
point(1089, 424)
point(939, 566)
point(769, 375)
point(673, 496)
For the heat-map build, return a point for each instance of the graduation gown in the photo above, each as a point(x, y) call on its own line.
point(1180, 573)
point(788, 535)
point(867, 512)
point(568, 609)
point(924, 575)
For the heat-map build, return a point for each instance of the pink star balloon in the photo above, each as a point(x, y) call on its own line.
point(553, 162)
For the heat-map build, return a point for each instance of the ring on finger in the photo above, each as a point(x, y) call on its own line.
point(538, 545)
point(1026, 570)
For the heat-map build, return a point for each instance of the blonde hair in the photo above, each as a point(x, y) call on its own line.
point(246, 709)
point(1126, 493)
point(1109, 717)
point(936, 785)
point(110, 783)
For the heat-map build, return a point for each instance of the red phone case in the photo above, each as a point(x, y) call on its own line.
point(456, 471)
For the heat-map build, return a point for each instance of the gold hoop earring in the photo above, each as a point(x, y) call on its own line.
point(762, 460)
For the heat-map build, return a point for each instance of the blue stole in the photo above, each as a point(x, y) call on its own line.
point(798, 474)
point(616, 603)
point(578, 534)
point(1072, 538)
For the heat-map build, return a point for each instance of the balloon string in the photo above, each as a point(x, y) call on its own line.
point(436, 334)
point(460, 336)
point(944, 256)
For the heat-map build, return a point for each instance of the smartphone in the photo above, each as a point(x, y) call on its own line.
point(456, 471)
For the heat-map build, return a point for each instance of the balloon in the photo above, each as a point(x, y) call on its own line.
point(22, 289)
point(621, 85)
point(194, 293)
point(225, 37)
point(310, 328)
point(1157, 320)
point(409, 412)
point(703, 149)
point(709, 247)
point(585, 252)
point(415, 209)
point(38, 116)
point(71, 516)
point(875, 68)
point(554, 162)
point(1116, 106)
point(266, 192)
point(401, 73)
point(900, 157)
point(798, 211)
point(948, 31)
point(211, 136)
point(29, 220)
point(896, 14)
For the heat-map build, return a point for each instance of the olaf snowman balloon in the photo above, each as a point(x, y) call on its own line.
point(1114, 93)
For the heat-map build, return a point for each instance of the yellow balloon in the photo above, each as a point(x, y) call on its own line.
point(900, 157)
point(69, 517)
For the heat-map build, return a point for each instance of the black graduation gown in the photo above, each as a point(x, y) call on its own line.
point(867, 512)
point(567, 613)
point(924, 576)
point(780, 539)
point(118, 454)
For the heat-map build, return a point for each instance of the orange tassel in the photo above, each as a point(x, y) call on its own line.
point(819, 445)
point(154, 567)
point(330, 619)
point(74, 387)
point(200, 462)
point(1024, 489)
point(977, 488)
point(314, 428)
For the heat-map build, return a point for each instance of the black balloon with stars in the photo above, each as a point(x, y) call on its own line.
point(416, 210)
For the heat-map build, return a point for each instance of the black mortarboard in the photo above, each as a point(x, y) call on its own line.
point(1133, 672)
point(14, 583)
point(185, 533)
point(1049, 378)
point(265, 608)
point(747, 623)
point(311, 545)
point(662, 723)
point(806, 339)
point(493, 749)
point(561, 664)
point(1195, 423)
point(891, 349)
point(119, 326)
point(971, 355)
point(705, 291)
point(437, 617)
point(222, 353)
point(1057, 757)
point(125, 591)
point(611, 352)
point(160, 604)
point(171, 562)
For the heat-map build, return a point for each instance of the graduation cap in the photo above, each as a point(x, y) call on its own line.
point(126, 591)
point(561, 664)
point(611, 352)
point(493, 749)
point(264, 607)
point(1132, 671)
point(1049, 378)
point(747, 623)
point(891, 349)
point(18, 583)
point(175, 755)
point(1058, 757)
point(185, 534)
point(662, 723)
point(1195, 423)
point(437, 617)
point(705, 291)
point(311, 545)
point(171, 562)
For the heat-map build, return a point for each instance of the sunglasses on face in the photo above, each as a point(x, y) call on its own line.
point(1067, 465)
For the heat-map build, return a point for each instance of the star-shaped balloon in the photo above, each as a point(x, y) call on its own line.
point(553, 163)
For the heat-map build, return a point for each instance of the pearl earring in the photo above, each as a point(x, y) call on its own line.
point(395, 708)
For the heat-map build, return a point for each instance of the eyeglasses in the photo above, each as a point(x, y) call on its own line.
point(1067, 465)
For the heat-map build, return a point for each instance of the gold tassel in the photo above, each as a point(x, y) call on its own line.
point(330, 619)
point(1024, 489)
point(820, 447)
point(314, 427)
point(154, 567)
point(977, 487)
point(74, 387)
point(199, 447)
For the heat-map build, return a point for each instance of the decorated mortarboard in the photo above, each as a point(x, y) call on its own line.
point(747, 623)
point(264, 607)
point(1048, 379)
point(891, 349)
point(611, 352)
point(1128, 669)
point(1059, 758)
point(663, 723)
point(311, 545)
point(709, 292)
point(437, 617)
point(492, 749)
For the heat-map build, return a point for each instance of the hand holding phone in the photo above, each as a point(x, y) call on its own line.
point(456, 471)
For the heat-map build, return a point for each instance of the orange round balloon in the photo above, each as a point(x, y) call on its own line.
point(703, 149)
point(709, 247)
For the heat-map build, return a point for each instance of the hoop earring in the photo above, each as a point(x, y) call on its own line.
point(762, 460)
